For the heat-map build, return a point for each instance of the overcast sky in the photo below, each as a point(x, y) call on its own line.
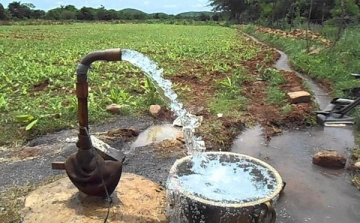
point(148, 6)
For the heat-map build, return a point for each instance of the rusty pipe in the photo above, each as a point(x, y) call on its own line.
point(88, 171)
point(82, 89)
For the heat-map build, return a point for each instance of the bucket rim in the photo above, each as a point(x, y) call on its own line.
point(272, 196)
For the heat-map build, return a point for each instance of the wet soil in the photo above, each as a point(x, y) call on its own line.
point(257, 110)
point(312, 194)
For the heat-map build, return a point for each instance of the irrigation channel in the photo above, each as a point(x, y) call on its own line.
point(312, 194)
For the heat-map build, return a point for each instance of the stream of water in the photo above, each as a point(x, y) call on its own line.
point(188, 121)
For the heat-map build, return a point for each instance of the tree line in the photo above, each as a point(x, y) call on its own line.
point(272, 11)
point(267, 12)
point(22, 11)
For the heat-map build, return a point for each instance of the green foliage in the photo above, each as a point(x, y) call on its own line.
point(276, 96)
point(49, 55)
point(24, 11)
point(332, 64)
point(272, 75)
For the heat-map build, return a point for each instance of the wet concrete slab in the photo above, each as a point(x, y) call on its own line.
point(312, 194)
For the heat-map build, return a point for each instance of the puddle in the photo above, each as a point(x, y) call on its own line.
point(155, 134)
point(312, 194)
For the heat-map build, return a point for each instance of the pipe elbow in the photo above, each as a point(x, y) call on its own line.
point(106, 55)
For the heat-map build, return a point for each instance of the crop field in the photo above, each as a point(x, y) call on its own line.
point(209, 66)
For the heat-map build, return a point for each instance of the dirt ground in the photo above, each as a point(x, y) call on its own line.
point(258, 111)
point(295, 33)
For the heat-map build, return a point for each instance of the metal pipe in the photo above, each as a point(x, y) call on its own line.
point(88, 171)
point(82, 89)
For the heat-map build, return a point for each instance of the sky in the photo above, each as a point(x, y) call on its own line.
point(148, 6)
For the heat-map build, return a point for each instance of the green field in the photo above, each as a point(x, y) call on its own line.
point(38, 69)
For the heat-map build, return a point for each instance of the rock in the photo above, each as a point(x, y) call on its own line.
point(299, 97)
point(357, 165)
point(136, 199)
point(329, 159)
point(180, 137)
point(154, 110)
point(113, 108)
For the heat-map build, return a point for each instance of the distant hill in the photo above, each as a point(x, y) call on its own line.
point(195, 14)
point(132, 11)
point(191, 14)
point(159, 13)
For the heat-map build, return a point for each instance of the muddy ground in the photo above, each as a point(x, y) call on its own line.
point(257, 109)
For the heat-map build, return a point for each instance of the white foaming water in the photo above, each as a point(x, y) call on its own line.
point(189, 122)
point(218, 180)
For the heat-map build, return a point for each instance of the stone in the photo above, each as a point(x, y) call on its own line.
point(136, 199)
point(180, 137)
point(154, 110)
point(329, 159)
point(357, 165)
point(113, 108)
point(299, 97)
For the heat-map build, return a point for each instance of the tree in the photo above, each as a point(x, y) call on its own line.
point(37, 14)
point(86, 13)
point(20, 11)
point(3, 13)
point(233, 7)
point(204, 17)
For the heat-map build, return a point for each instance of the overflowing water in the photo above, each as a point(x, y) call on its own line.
point(220, 187)
point(230, 180)
point(188, 121)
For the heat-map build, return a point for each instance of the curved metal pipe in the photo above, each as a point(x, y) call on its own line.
point(82, 89)
point(89, 172)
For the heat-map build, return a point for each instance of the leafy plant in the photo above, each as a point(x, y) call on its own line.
point(3, 102)
point(31, 121)
point(119, 96)
point(276, 96)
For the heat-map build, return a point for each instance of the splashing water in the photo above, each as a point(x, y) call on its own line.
point(214, 179)
point(164, 87)
point(216, 183)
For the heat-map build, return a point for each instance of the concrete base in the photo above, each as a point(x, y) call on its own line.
point(136, 199)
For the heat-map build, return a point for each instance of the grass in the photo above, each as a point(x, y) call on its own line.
point(38, 64)
point(332, 64)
